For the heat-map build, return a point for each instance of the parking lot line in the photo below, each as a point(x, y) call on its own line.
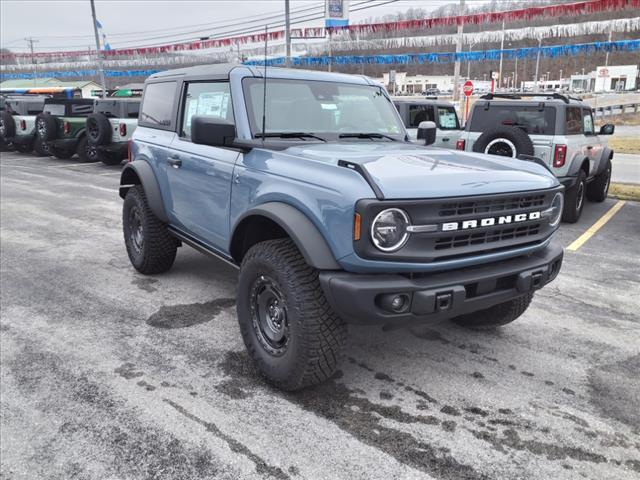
point(84, 164)
point(595, 227)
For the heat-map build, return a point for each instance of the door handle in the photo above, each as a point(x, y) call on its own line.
point(175, 162)
point(445, 139)
point(589, 147)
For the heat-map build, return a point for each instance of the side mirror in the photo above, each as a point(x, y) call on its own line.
point(607, 129)
point(214, 131)
point(427, 132)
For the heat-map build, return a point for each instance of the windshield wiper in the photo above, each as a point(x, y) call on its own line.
point(367, 135)
point(289, 135)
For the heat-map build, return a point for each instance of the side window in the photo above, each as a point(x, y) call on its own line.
point(212, 99)
point(447, 118)
point(157, 109)
point(573, 121)
point(587, 122)
point(420, 113)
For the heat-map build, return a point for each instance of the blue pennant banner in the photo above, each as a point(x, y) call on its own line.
point(473, 56)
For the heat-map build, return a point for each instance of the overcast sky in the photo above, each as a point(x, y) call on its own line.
point(63, 25)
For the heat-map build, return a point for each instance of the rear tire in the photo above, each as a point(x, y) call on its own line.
point(46, 126)
point(7, 126)
point(598, 190)
point(290, 330)
point(150, 246)
point(574, 199)
point(110, 158)
point(40, 148)
point(504, 141)
point(496, 316)
point(98, 129)
point(86, 152)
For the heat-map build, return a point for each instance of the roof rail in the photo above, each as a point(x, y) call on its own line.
point(518, 96)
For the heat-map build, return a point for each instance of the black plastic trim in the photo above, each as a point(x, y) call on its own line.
point(149, 183)
point(355, 296)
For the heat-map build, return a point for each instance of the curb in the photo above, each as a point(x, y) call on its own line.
point(625, 191)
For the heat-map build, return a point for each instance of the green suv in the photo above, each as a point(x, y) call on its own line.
point(62, 125)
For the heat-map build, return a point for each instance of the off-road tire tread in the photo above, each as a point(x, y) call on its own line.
point(38, 147)
point(160, 246)
point(496, 316)
point(325, 332)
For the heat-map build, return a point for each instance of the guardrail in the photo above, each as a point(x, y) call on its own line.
point(619, 109)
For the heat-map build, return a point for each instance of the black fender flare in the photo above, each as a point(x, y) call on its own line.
point(139, 172)
point(576, 166)
point(607, 153)
point(300, 229)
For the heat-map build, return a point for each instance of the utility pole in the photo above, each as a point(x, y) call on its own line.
point(31, 41)
point(606, 58)
point(287, 22)
point(501, 48)
point(456, 67)
point(535, 79)
point(515, 74)
point(98, 52)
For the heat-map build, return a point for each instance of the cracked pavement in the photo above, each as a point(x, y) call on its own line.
point(108, 374)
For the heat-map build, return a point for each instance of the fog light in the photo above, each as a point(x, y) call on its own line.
point(394, 302)
point(398, 303)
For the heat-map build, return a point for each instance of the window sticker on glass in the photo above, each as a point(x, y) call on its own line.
point(447, 118)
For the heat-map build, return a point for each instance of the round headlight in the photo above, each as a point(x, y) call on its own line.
point(555, 211)
point(389, 229)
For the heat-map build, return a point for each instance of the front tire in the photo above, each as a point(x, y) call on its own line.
point(598, 190)
point(290, 331)
point(40, 148)
point(574, 199)
point(496, 316)
point(150, 246)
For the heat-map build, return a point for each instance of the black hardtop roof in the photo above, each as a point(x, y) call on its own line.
point(69, 101)
point(535, 98)
point(421, 101)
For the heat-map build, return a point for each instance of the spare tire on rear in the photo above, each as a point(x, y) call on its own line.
point(98, 129)
point(505, 141)
point(7, 125)
point(46, 127)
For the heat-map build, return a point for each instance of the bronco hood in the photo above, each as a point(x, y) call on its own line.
point(404, 170)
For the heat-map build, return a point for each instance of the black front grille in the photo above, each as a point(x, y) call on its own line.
point(460, 239)
point(490, 236)
point(490, 205)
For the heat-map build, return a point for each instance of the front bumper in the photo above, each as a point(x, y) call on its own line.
point(365, 298)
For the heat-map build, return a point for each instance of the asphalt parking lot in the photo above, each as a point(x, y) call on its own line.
point(108, 374)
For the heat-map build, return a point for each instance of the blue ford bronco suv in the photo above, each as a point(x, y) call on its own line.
point(314, 192)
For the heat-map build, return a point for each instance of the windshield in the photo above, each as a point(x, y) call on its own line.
point(326, 109)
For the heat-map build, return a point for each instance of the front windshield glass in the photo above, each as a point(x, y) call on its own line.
point(325, 109)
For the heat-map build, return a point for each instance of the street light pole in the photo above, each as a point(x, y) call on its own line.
point(100, 66)
point(537, 63)
point(501, 48)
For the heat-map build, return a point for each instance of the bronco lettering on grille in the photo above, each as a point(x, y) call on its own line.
point(489, 221)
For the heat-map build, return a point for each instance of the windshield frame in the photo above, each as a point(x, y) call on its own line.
point(332, 136)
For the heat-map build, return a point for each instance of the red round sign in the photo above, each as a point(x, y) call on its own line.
point(467, 88)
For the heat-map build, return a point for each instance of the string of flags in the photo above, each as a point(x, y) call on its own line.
point(567, 9)
point(411, 58)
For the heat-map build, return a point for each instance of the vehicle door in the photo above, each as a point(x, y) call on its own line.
point(579, 145)
point(593, 144)
point(199, 176)
point(415, 114)
point(448, 126)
